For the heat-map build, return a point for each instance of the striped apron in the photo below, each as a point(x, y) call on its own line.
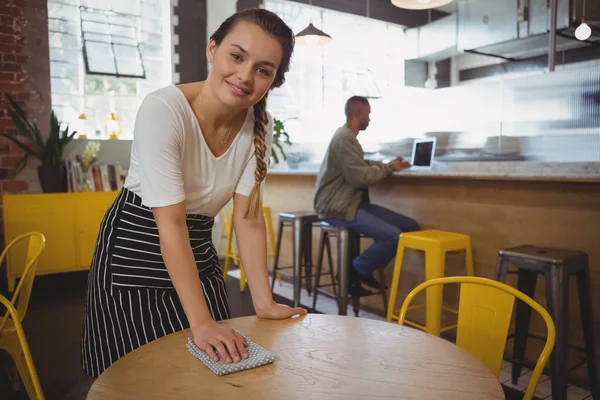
point(130, 298)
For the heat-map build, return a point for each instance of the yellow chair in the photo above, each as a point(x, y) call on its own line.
point(485, 310)
point(435, 244)
point(12, 337)
point(231, 254)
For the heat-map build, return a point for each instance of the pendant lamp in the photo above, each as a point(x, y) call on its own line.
point(420, 4)
point(312, 36)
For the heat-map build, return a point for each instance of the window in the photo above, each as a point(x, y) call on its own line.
point(110, 45)
point(105, 56)
point(364, 59)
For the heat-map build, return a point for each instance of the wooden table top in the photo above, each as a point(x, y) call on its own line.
point(319, 357)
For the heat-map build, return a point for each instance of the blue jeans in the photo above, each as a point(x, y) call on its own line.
point(384, 227)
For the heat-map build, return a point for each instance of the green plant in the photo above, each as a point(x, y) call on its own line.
point(49, 152)
point(89, 156)
point(279, 136)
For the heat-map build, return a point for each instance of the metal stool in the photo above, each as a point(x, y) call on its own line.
point(301, 223)
point(557, 266)
point(348, 247)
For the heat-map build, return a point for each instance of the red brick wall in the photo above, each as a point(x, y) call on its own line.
point(25, 75)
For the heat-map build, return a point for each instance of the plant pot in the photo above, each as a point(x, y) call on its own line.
point(53, 178)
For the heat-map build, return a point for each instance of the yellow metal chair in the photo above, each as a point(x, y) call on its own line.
point(12, 337)
point(484, 314)
point(435, 244)
point(231, 254)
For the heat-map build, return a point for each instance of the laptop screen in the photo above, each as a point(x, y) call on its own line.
point(423, 152)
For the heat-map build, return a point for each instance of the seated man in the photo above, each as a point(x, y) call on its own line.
point(342, 197)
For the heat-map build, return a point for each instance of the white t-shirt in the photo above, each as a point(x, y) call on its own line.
point(171, 161)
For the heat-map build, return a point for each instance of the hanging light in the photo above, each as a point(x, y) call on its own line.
point(583, 31)
point(312, 36)
point(420, 4)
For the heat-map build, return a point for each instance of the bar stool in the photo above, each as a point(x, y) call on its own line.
point(301, 223)
point(435, 244)
point(230, 252)
point(348, 247)
point(557, 266)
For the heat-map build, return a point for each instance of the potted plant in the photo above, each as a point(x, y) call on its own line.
point(52, 173)
point(279, 136)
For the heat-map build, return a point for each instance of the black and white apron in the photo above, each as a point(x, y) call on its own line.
point(130, 298)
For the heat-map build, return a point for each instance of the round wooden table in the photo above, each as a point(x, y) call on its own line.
point(319, 357)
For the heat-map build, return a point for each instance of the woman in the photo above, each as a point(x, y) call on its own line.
point(155, 270)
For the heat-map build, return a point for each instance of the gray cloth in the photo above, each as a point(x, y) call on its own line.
point(257, 357)
point(344, 177)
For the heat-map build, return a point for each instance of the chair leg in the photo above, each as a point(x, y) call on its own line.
point(526, 284)
point(277, 253)
point(22, 370)
point(587, 322)
point(319, 267)
point(557, 293)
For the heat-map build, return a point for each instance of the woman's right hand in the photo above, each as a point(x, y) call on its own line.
point(210, 335)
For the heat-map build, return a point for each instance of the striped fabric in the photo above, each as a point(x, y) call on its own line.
point(130, 298)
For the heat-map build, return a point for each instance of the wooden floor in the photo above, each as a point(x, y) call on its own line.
point(59, 300)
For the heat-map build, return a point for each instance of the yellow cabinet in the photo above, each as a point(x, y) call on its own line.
point(69, 221)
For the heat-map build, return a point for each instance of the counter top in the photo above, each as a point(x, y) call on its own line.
point(489, 170)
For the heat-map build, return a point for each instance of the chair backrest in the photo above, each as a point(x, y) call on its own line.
point(20, 299)
point(10, 311)
point(484, 314)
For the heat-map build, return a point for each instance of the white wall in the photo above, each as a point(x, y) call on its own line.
point(217, 12)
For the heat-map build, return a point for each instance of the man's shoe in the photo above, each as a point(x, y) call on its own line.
point(356, 289)
point(369, 280)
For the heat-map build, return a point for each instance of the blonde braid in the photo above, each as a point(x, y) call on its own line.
point(260, 150)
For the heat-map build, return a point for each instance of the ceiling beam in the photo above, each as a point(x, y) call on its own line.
point(382, 10)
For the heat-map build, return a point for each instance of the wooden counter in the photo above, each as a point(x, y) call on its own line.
point(496, 213)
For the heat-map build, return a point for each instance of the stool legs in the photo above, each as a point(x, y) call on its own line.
point(434, 268)
point(307, 240)
point(343, 243)
point(277, 253)
point(297, 263)
point(469, 260)
point(526, 284)
point(322, 243)
point(395, 282)
point(557, 292)
point(587, 322)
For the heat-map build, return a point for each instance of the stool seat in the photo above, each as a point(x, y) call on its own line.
point(422, 238)
point(305, 216)
point(571, 258)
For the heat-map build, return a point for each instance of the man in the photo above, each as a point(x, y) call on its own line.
point(342, 197)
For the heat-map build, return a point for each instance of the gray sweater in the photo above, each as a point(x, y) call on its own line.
point(344, 177)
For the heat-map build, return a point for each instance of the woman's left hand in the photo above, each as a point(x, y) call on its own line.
point(279, 311)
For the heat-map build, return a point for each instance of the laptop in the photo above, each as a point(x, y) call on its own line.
point(423, 152)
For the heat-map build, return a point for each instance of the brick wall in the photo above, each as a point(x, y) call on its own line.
point(25, 75)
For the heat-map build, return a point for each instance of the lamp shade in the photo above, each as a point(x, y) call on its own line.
point(311, 35)
point(420, 4)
